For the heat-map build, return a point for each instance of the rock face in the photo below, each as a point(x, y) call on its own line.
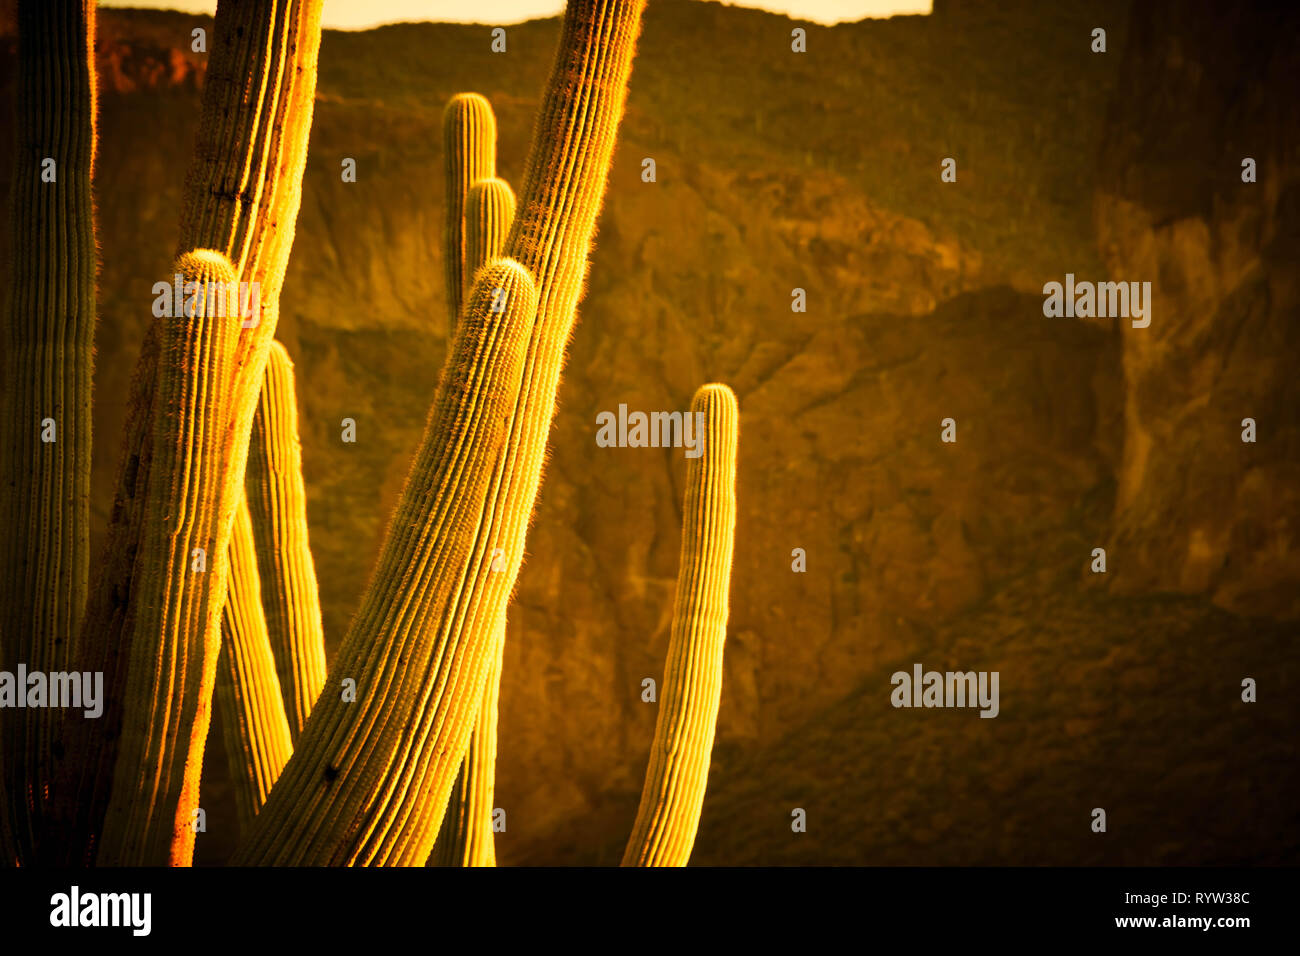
point(1198, 509)
point(821, 172)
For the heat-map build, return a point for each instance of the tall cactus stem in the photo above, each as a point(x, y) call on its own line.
point(46, 364)
point(673, 795)
point(253, 720)
point(277, 504)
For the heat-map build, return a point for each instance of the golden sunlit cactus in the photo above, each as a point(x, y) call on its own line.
point(277, 504)
point(175, 634)
point(254, 725)
point(46, 361)
point(416, 655)
point(466, 835)
point(370, 785)
point(242, 195)
point(470, 149)
point(489, 211)
point(673, 794)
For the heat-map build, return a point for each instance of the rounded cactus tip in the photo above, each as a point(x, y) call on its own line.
point(279, 353)
point(489, 190)
point(464, 103)
point(714, 394)
point(497, 288)
point(205, 264)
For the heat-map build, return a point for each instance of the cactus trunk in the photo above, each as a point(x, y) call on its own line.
point(669, 813)
point(253, 720)
point(241, 199)
point(277, 504)
point(466, 837)
point(46, 354)
point(358, 787)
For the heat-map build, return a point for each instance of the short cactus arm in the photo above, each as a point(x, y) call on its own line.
point(673, 795)
point(470, 150)
point(46, 361)
point(253, 721)
point(277, 504)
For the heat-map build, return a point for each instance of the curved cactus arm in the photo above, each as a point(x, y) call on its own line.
point(356, 787)
point(46, 362)
point(469, 135)
point(466, 835)
point(242, 195)
point(253, 720)
point(673, 795)
point(277, 505)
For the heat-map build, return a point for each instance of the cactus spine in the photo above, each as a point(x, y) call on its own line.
point(277, 504)
point(470, 148)
point(673, 794)
point(254, 725)
point(370, 786)
point(466, 836)
point(46, 361)
point(241, 199)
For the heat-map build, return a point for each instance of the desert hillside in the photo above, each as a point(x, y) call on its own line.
point(821, 171)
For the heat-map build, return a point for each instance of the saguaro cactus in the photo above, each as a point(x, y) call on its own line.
point(46, 353)
point(354, 800)
point(356, 789)
point(241, 199)
point(470, 147)
point(254, 725)
point(489, 212)
point(277, 504)
point(673, 794)
point(466, 836)
point(183, 588)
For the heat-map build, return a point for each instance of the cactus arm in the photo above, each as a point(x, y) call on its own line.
point(46, 354)
point(241, 199)
point(354, 779)
point(277, 504)
point(489, 212)
point(673, 795)
point(470, 153)
point(254, 724)
point(183, 572)
point(466, 836)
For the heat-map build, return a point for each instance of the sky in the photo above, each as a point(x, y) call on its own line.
point(362, 14)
